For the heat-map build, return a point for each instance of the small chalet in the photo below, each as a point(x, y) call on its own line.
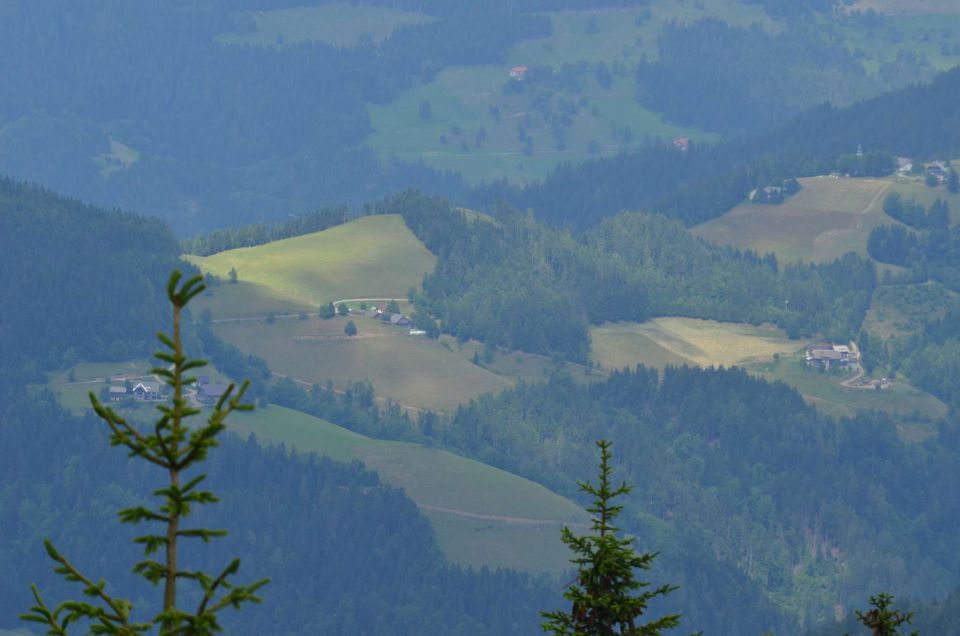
point(118, 393)
point(399, 320)
point(209, 393)
point(146, 391)
point(825, 356)
point(682, 144)
point(518, 72)
point(936, 170)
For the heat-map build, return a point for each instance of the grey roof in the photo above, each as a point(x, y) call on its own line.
point(213, 390)
point(118, 389)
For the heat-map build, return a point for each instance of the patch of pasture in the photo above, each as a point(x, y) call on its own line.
point(483, 516)
point(412, 370)
point(908, 7)
point(825, 391)
point(335, 24)
point(370, 257)
point(677, 341)
point(826, 219)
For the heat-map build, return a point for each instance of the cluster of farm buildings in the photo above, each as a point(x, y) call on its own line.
point(393, 318)
point(826, 356)
point(152, 391)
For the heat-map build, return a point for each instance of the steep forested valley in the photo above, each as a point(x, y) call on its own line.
point(450, 246)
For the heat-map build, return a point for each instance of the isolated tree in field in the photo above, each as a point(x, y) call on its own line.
point(393, 307)
point(606, 597)
point(883, 619)
point(175, 448)
point(232, 275)
point(327, 311)
point(343, 310)
point(350, 329)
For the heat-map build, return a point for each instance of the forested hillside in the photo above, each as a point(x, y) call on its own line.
point(516, 283)
point(346, 554)
point(812, 511)
point(79, 282)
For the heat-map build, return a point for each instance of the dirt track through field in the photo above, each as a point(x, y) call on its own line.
point(526, 521)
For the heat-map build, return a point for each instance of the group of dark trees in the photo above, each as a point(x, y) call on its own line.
point(513, 282)
point(925, 245)
point(718, 77)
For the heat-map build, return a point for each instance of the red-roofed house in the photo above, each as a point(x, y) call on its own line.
point(682, 144)
point(518, 72)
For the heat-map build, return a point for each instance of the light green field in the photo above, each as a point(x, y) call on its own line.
point(335, 24)
point(370, 257)
point(677, 341)
point(826, 219)
point(826, 393)
point(482, 515)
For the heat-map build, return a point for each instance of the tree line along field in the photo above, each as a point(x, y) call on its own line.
point(825, 219)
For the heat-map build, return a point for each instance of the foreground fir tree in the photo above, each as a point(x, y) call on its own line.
point(607, 599)
point(174, 448)
point(883, 619)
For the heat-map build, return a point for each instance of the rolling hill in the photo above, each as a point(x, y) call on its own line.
point(370, 257)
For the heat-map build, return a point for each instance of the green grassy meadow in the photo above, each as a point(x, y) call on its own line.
point(370, 257)
point(482, 516)
point(334, 24)
point(824, 391)
point(665, 342)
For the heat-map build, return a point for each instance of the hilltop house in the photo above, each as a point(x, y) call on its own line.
point(518, 72)
point(682, 144)
point(146, 391)
point(937, 170)
point(118, 393)
point(399, 320)
point(826, 355)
